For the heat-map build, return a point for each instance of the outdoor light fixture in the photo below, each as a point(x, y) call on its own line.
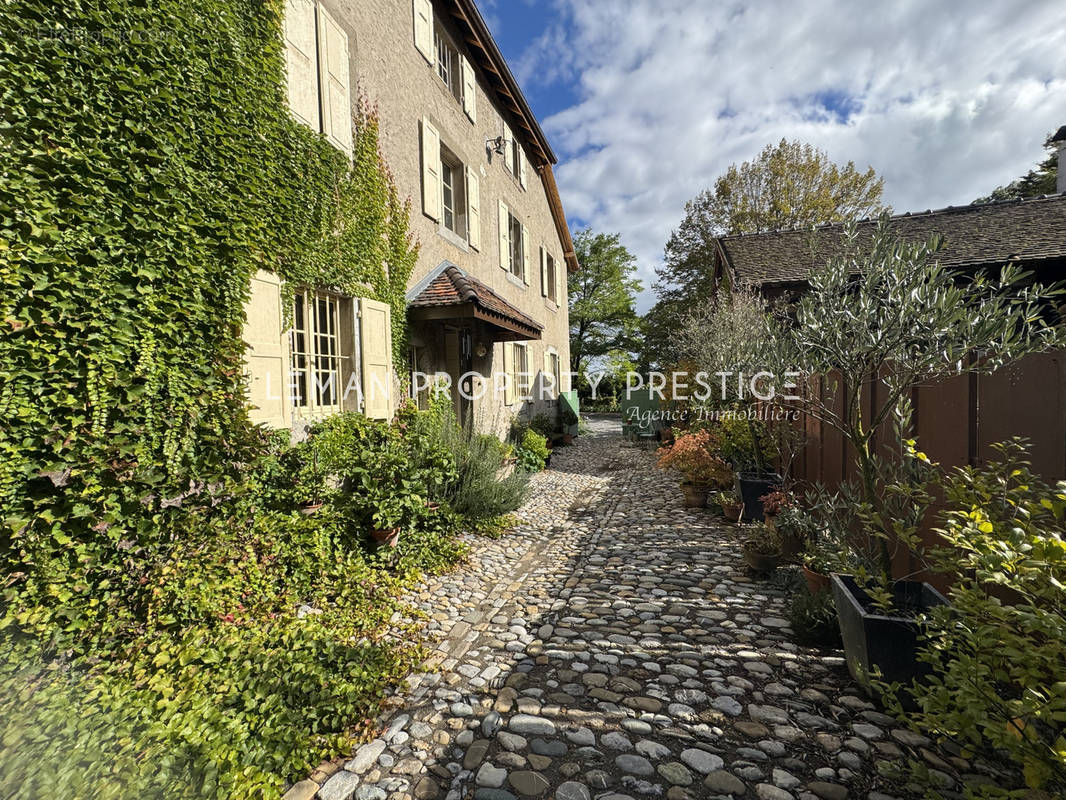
point(495, 145)
point(480, 351)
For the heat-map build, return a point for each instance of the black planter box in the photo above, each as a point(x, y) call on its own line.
point(873, 640)
point(752, 486)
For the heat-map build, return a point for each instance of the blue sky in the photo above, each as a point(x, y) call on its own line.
point(646, 102)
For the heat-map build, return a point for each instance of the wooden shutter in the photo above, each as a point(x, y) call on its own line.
point(525, 254)
point(543, 273)
point(508, 153)
point(333, 71)
point(423, 14)
point(521, 166)
point(469, 88)
point(301, 67)
point(508, 371)
point(546, 375)
point(431, 186)
point(375, 340)
point(505, 237)
point(267, 358)
point(560, 271)
point(473, 209)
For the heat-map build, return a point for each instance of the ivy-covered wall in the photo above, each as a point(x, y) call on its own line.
point(148, 167)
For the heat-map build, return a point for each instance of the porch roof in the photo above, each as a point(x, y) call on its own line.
point(449, 293)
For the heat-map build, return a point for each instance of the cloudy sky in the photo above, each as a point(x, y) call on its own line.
point(646, 102)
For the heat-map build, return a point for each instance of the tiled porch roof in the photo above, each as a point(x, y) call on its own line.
point(453, 287)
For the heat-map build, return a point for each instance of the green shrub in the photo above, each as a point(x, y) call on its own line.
point(544, 425)
point(813, 618)
point(532, 451)
point(998, 650)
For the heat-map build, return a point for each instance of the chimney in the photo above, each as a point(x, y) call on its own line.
point(1059, 142)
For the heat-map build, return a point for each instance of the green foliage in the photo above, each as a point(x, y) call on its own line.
point(601, 296)
point(1035, 183)
point(999, 649)
point(532, 451)
point(886, 309)
point(762, 539)
point(788, 185)
point(544, 425)
point(152, 565)
point(813, 618)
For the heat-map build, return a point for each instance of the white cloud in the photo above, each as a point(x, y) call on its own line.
point(948, 100)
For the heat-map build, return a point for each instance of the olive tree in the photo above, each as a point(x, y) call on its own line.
point(884, 309)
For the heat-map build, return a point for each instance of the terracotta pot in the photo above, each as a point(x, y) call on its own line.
point(760, 562)
point(389, 536)
point(770, 520)
point(695, 496)
point(733, 512)
point(307, 509)
point(816, 581)
point(568, 438)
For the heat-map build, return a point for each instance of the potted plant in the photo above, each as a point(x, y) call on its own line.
point(762, 549)
point(775, 502)
point(731, 507)
point(309, 482)
point(796, 528)
point(692, 455)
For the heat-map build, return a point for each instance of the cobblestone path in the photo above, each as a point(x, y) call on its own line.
point(614, 647)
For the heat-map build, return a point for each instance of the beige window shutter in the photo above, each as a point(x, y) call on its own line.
point(266, 360)
point(431, 186)
point(508, 155)
point(423, 16)
point(375, 339)
point(508, 373)
point(469, 89)
point(543, 273)
point(505, 237)
point(301, 66)
point(336, 101)
point(560, 283)
point(473, 209)
point(521, 166)
point(525, 254)
point(547, 378)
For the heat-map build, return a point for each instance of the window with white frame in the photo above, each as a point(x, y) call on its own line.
point(448, 68)
point(317, 360)
point(553, 367)
point(520, 377)
point(453, 193)
point(516, 257)
point(548, 277)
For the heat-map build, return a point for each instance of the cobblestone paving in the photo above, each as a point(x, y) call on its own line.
point(613, 647)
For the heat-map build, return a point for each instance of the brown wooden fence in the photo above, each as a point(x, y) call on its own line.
point(957, 422)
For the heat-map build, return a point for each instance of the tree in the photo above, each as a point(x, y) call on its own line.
point(602, 294)
point(887, 309)
point(1034, 183)
point(788, 185)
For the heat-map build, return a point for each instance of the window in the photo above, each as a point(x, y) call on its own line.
point(517, 254)
point(520, 377)
point(453, 193)
point(448, 66)
point(316, 352)
point(548, 286)
point(553, 366)
point(516, 157)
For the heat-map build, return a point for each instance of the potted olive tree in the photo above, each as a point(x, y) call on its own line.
point(762, 548)
point(692, 455)
point(885, 311)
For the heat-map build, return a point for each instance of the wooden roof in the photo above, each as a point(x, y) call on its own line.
point(460, 295)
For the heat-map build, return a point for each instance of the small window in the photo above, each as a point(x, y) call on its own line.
point(520, 376)
point(518, 251)
point(553, 360)
point(448, 66)
point(549, 278)
point(316, 357)
point(516, 157)
point(453, 186)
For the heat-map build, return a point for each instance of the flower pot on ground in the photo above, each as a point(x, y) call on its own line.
point(752, 486)
point(307, 509)
point(817, 582)
point(796, 529)
point(762, 549)
point(692, 455)
point(882, 639)
point(568, 438)
point(730, 505)
point(694, 494)
point(386, 536)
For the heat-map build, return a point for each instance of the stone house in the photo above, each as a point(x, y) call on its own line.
point(487, 303)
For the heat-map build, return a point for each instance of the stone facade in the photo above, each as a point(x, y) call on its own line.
point(388, 68)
